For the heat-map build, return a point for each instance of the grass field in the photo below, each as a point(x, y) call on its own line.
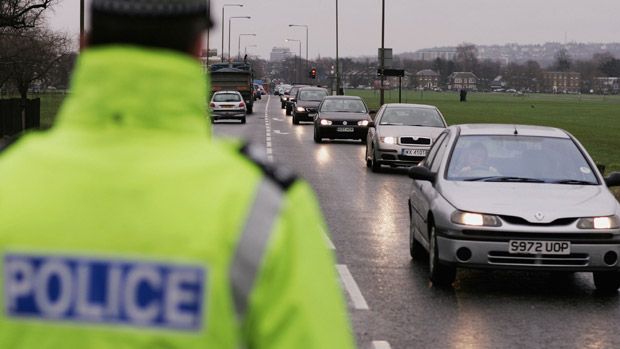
point(594, 120)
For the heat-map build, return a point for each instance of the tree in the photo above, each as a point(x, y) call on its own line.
point(563, 60)
point(466, 57)
point(27, 55)
point(19, 14)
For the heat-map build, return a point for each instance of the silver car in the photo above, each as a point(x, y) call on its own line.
point(402, 134)
point(514, 197)
point(227, 105)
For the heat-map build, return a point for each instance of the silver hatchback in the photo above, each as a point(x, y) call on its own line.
point(227, 105)
point(402, 134)
point(514, 197)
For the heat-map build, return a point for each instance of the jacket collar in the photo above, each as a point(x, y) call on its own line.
point(137, 88)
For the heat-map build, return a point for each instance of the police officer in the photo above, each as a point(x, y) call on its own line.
point(126, 227)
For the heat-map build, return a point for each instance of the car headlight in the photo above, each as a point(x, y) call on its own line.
point(610, 222)
point(301, 109)
point(325, 122)
point(387, 140)
point(362, 123)
point(475, 219)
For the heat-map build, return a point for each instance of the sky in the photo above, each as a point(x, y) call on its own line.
point(410, 24)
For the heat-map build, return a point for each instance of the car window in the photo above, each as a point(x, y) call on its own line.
point(547, 159)
point(441, 147)
point(313, 95)
point(431, 154)
point(412, 117)
point(343, 105)
point(226, 97)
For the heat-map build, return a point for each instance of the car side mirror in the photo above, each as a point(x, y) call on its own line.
point(293, 99)
point(371, 124)
point(421, 173)
point(601, 168)
point(613, 180)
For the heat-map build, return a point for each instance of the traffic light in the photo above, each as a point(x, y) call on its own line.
point(313, 73)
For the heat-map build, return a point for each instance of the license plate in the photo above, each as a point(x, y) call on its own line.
point(226, 106)
point(414, 152)
point(345, 129)
point(311, 115)
point(539, 247)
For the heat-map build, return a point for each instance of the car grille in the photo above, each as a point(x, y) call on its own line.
point(411, 158)
point(521, 221)
point(571, 260)
point(349, 122)
point(491, 235)
point(415, 140)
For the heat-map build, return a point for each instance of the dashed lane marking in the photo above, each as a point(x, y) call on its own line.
point(381, 345)
point(353, 290)
point(268, 132)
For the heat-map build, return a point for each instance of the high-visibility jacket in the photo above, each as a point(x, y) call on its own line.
point(126, 226)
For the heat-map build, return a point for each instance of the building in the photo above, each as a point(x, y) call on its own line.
point(561, 82)
point(463, 80)
point(279, 54)
point(427, 79)
point(606, 85)
point(498, 84)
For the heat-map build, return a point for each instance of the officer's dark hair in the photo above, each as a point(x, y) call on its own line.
point(147, 23)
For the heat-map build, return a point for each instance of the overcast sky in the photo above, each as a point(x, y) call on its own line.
point(410, 24)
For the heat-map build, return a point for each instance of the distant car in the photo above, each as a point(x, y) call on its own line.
point(288, 104)
point(227, 105)
point(342, 117)
point(284, 94)
point(306, 103)
point(514, 197)
point(402, 134)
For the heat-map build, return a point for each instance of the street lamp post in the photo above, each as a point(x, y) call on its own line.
point(382, 92)
point(223, 7)
point(305, 26)
point(239, 45)
point(81, 24)
point(229, 30)
point(337, 60)
point(299, 65)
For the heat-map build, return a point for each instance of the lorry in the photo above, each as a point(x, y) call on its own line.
point(234, 76)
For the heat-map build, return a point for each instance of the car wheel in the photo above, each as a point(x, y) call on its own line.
point(295, 120)
point(282, 105)
point(243, 120)
point(441, 275)
point(368, 162)
point(375, 166)
point(416, 250)
point(317, 136)
point(606, 281)
point(288, 111)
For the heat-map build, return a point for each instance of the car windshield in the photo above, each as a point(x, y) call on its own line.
point(343, 105)
point(313, 95)
point(519, 159)
point(412, 117)
point(226, 97)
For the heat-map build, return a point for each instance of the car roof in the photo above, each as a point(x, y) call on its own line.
point(221, 92)
point(509, 129)
point(343, 97)
point(314, 88)
point(409, 105)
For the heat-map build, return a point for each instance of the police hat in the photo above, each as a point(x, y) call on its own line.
point(152, 8)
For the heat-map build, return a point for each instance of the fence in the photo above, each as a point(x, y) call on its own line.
point(13, 122)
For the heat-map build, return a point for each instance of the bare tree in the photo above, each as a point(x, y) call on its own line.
point(563, 61)
point(466, 57)
point(22, 13)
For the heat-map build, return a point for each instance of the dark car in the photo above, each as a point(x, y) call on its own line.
point(306, 103)
point(284, 94)
point(288, 103)
point(342, 117)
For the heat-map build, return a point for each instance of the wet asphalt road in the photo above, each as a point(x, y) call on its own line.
point(368, 222)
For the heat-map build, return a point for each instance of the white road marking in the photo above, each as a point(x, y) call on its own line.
point(280, 132)
point(268, 132)
point(351, 286)
point(381, 345)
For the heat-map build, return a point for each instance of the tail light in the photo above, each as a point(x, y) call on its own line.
point(212, 105)
point(242, 105)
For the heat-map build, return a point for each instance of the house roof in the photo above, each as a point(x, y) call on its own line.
point(427, 72)
point(461, 74)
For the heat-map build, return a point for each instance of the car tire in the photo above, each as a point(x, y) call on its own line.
point(243, 120)
point(250, 109)
point(368, 162)
point(288, 111)
point(295, 120)
point(416, 250)
point(441, 275)
point(283, 106)
point(375, 166)
point(317, 136)
point(606, 281)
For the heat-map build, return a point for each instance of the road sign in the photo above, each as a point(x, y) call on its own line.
point(386, 56)
point(391, 72)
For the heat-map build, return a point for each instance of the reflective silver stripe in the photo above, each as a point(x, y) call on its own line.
point(253, 243)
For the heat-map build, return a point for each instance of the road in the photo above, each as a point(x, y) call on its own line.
point(391, 302)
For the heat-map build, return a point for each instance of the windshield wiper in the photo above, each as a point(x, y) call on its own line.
point(573, 181)
point(504, 179)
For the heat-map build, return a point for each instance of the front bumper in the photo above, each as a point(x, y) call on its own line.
point(343, 132)
point(393, 154)
point(585, 254)
point(228, 115)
